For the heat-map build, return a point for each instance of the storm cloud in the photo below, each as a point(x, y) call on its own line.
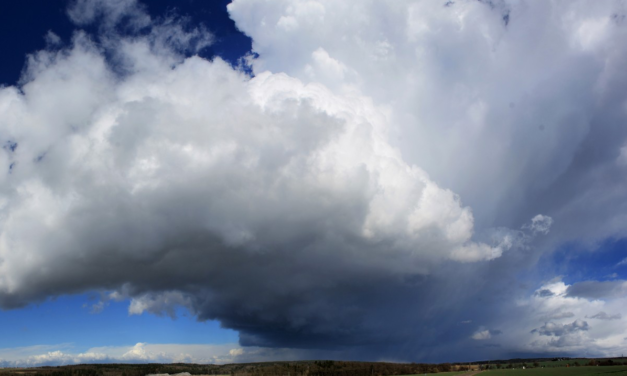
point(368, 189)
point(598, 289)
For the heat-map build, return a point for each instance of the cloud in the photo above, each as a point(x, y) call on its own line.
point(553, 329)
point(540, 224)
point(52, 39)
point(622, 157)
point(96, 307)
point(33, 356)
point(64, 354)
point(161, 303)
point(53, 355)
point(598, 289)
point(512, 145)
point(277, 207)
point(562, 315)
point(485, 334)
point(544, 293)
point(111, 13)
point(517, 120)
point(604, 316)
point(560, 323)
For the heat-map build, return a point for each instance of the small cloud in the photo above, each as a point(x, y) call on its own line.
point(598, 289)
point(236, 352)
point(563, 315)
point(604, 316)
point(164, 303)
point(52, 39)
point(621, 160)
point(96, 307)
point(466, 321)
point(485, 334)
point(544, 293)
point(116, 296)
point(540, 224)
point(481, 335)
point(622, 262)
point(554, 329)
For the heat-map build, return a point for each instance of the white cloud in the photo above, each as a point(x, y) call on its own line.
point(182, 182)
point(558, 322)
point(33, 356)
point(480, 335)
point(165, 302)
point(540, 224)
point(622, 157)
point(139, 353)
point(489, 105)
point(236, 352)
point(130, 171)
point(64, 354)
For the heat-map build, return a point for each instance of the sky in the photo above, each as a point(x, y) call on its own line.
point(216, 182)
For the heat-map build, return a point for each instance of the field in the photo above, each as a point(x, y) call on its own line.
point(332, 368)
point(560, 371)
point(443, 373)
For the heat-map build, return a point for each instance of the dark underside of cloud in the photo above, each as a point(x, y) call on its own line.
point(598, 289)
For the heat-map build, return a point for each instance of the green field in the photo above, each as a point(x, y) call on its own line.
point(560, 371)
point(441, 373)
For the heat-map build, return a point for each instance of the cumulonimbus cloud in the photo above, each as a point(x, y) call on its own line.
point(175, 180)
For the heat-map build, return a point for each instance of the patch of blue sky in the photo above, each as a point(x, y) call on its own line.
point(24, 25)
point(69, 320)
point(575, 263)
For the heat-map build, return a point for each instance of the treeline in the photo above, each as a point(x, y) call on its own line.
point(558, 364)
point(338, 368)
point(301, 368)
point(607, 362)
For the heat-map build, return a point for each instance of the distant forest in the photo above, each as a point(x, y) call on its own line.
point(300, 368)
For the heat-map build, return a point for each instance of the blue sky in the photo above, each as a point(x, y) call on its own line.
point(249, 180)
point(70, 320)
point(31, 20)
